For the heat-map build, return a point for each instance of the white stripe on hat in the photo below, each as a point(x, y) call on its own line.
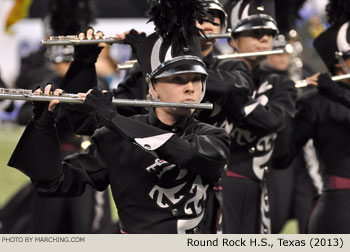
point(342, 43)
point(235, 13)
point(168, 55)
point(245, 12)
point(155, 62)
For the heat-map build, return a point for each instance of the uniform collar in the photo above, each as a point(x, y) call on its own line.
point(176, 127)
point(209, 59)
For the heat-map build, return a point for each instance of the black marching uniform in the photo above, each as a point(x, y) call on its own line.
point(90, 212)
point(292, 189)
point(159, 174)
point(227, 83)
point(326, 121)
point(158, 184)
point(262, 114)
point(252, 145)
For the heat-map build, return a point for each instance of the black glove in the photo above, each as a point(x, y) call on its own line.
point(41, 115)
point(102, 105)
point(134, 39)
point(328, 87)
point(87, 53)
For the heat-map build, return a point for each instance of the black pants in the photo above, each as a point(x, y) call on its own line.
point(26, 212)
point(241, 206)
point(211, 219)
point(291, 193)
point(332, 213)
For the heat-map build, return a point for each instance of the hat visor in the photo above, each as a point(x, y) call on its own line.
point(255, 22)
point(181, 66)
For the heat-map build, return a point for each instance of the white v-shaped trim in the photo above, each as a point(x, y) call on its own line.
point(153, 142)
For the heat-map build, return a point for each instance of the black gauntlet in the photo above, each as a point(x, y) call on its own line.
point(41, 115)
point(328, 87)
point(134, 39)
point(102, 105)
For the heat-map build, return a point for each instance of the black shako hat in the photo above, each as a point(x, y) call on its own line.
point(162, 57)
point(247, 15)
point(333, 43)
point(175, 47)
point(216, 5)
point(66, 17)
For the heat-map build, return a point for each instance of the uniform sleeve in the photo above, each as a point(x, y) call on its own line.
point(80, 77)
point(229, 85)
point(133, 86)
point(82, 120)
point(335, 92)
point(204, 150)
point(37, 155)
point(303, 124)
point(270, 113)
point(292, 139)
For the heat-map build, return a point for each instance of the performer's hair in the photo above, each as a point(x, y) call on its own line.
point(68, 17)
point(338, 12)
point(177, 19)
point(287, 11)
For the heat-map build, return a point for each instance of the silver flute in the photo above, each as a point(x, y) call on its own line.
point(76, 40)
point(304, 83)
point(129, 64)
point(251, 54)
point(28, 95)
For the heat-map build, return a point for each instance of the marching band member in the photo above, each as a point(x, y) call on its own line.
point(90, 212)
point(158, 164)
point(261, 116)
point(326, 121)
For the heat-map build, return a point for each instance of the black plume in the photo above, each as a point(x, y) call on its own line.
point(287, 12)
point(338, 11)
point(68, 17)
point(177, 19)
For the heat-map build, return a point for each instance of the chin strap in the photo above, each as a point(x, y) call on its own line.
point(343, 64)
point(151, 91)
point(155, 97)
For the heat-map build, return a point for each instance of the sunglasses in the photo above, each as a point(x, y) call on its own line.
point(258, 34)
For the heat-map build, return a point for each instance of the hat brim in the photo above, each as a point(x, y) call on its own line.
point(180, 65)
point(255, 22)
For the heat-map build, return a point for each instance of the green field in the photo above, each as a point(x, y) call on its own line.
point(12, 180)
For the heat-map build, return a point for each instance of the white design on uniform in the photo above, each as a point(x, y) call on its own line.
point(163, 196)
point(200, 195)
point(261, 99)
point(312, 165)
point(264, 144)
point(153, 142)
point(188, 224)
point(166, 193)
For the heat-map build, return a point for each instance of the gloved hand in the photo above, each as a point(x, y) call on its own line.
point(328, 87)
point(102, 105)
point(134, 39)
point(41, 114)
point(88, 53)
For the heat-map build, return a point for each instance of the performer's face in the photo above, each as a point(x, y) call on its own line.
point(339, 70)
point(254, 40)
point(210, 28)
point(279, 62)
point(179, 88)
